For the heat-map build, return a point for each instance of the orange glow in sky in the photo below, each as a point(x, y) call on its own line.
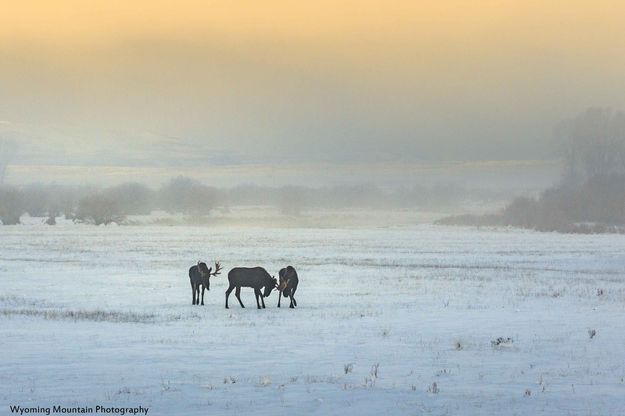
point(426, 77)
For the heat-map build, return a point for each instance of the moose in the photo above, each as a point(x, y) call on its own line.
point(288, 285)
point(254, 277)
point(199, 275)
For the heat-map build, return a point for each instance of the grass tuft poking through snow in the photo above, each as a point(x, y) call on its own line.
point(82, 315)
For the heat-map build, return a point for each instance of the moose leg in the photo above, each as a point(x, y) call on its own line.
point(262, 300)
point(192, 294)
point(279, 296)
point(238, 295)
point(293, 296)
point(257, 294)
point(203, 295)
point(230, 288)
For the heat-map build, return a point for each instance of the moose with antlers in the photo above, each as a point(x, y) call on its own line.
point(200, 276)
point(288, 285)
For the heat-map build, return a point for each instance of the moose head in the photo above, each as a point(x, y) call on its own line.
point(270, 286)
point(282, 285)
point(205, 271)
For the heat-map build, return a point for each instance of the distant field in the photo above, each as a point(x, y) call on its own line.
point(397, 320)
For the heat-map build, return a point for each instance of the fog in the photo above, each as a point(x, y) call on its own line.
point(231, 83)
point(388, 99)
point(589, 195)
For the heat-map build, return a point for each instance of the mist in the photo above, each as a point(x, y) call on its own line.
point(233, 84)
point(388, 99)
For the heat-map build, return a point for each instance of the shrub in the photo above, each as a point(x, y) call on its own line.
point(99, 209)
point(132, 198)
point(11, 205)
point(187, 196)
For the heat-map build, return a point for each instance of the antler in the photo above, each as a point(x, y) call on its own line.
point(217, 269)
point(283, 285)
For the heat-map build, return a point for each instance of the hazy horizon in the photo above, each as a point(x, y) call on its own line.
point(196, 84)
point(512, 177)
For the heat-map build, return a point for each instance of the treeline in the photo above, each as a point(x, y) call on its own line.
point(189, 197)
point(106, 205)
point(596, 206)
point(591, 195)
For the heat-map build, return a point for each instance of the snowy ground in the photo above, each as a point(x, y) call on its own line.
point(103, 315)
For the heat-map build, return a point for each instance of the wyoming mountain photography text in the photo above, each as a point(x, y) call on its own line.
point(295, 207)
point(84, 410)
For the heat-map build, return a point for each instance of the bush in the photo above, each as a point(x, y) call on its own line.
point(132, 198)
point(521, 212)
point(488, 220)
point(37, 200)
point(11, 205)
point(99, 209)
point(188, 196)
point(602, 199)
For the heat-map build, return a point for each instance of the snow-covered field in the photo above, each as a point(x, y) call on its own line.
point(103, 315)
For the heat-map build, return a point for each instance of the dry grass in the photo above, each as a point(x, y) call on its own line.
point(82, 315)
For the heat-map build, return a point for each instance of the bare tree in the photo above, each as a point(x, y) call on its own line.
point(99, 209)
point(11, 205)
point(592, 144)
point(186, 195)
point(133, 198)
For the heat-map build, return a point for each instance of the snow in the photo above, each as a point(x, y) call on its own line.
point(399, 320)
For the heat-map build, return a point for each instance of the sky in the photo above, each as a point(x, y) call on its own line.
point(211, 83)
